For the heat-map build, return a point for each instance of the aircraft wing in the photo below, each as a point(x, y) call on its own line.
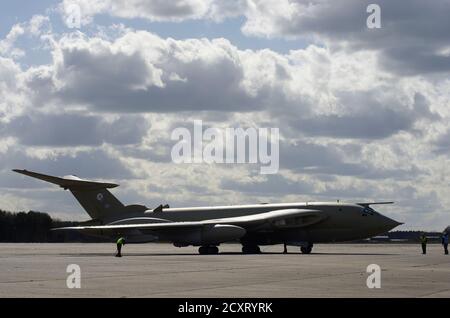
point(272, 219)
point(366, 204)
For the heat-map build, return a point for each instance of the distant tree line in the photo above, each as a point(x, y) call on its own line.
point(407, 237)
point(35, 227)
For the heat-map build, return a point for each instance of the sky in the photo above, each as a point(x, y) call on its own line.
point(363, 113)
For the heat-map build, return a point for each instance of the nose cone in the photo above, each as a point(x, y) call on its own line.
point(388, 223)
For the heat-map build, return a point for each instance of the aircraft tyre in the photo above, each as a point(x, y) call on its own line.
point(213, 250)
point(251, 249)
point(306, 249)
point(206, 250)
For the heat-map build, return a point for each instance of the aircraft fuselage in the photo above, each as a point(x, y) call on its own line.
point(341, 222)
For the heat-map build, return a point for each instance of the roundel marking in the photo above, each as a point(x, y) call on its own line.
point(99, 197)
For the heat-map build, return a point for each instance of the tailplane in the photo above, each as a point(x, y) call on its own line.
point(93, 196)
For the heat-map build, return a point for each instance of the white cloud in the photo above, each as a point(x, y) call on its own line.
point(12, 101)
point(153, 10)
point(141, 72)
point(35, 27)
point(413, 38)
point(7, 44)
point(105, 104)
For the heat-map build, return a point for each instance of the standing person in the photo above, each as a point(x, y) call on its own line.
point(445, 242)
point(423, 241)
point(120, 243)
point(285, 249)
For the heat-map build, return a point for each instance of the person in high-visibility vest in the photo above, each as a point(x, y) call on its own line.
point(120, 242)
point(423, 241)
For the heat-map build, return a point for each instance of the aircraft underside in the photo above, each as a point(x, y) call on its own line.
point(250, 242)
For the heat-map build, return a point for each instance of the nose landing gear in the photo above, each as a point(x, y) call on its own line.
point(306, 249)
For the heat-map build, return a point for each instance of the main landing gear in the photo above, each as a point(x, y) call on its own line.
point(251, 249)
point(206, 250)
point(306, 249)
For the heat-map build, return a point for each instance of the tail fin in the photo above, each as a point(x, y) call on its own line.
point(93, 196)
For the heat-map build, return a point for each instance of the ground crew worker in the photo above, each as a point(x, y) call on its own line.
point(445, 242)
point(120, 242)
point(423, 241)
point(285, 249)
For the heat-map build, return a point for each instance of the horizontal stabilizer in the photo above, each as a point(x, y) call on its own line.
point(68, 182)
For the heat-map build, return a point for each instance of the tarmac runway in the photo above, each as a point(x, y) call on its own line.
point(161, 270)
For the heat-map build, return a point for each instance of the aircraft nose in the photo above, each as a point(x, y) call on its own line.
point(389, 223)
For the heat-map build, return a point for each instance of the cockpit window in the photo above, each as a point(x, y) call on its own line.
point(369, 210)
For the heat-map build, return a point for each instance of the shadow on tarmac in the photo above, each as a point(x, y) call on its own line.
point(224, 254)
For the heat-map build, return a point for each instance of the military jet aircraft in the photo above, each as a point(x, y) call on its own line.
point(300, 224)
